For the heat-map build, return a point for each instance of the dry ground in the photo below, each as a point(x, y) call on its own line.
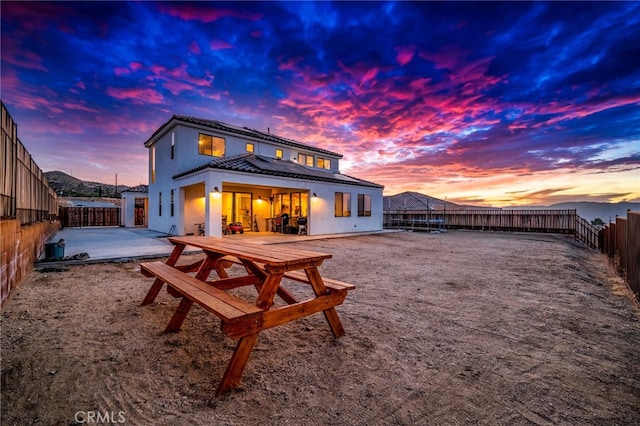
point(449, 329)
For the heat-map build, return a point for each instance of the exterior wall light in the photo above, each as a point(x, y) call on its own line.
point(315, 195)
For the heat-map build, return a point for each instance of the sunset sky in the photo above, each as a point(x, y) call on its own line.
point(485, 103)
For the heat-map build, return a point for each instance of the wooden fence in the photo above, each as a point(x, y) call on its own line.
point(25, 194)
point(27, 205)
point(620, 241)
point(550, 221)
point(77, 217)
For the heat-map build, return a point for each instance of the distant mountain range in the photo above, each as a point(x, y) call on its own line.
point(588, 210)
point(68, 186)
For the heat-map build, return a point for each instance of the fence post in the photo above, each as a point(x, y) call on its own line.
point(621, 245)
point(633, 252)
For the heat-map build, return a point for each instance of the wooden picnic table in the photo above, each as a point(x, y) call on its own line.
point(266, 266)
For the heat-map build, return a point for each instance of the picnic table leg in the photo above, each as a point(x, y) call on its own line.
point(252, 268)
point(208, 264)
point(181, 312)
point(179, 316)
point(238, 361)
point(157, 284)
point(330, 314)
point(268, 290)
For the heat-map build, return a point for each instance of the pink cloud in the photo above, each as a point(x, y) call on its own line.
point(176, 80)
point(77, 106)
point(14, 54)
point(448, 57)
point(118, 71)
point(370, 75)
point(204, 13)
point(570, 111)
point(289, 65)
point(405, 54)
point(66, 126)
point(137, 96)
point(194, 48)
point(37, 98)
point(136, 66)
point(219, 45)
point(176, 87)
point(405, 111)
point(179, 75)
point(41, 16)
point(31, 102)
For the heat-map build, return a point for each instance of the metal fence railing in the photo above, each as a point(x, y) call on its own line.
point(551, 221)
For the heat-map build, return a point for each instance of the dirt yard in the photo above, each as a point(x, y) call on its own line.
point(444, 329)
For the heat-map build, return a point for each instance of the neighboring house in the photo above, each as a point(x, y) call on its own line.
point(413, 208)
point(414, 201)
point(135, 205)
point(205, 171)
point(409, 208)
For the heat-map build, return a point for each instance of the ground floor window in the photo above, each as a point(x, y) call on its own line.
point(294, 204)
point(342, 206)
point(364, 205)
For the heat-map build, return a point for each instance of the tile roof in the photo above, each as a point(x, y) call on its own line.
point(258, 164)
point(138, 188)
point(242, 131)
point(414, 201)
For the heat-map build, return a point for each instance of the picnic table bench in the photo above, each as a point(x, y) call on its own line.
point(266, 266)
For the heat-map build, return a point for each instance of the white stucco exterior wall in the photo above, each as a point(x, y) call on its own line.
point(127, 216)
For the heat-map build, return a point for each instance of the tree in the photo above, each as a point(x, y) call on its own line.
point(597, 222)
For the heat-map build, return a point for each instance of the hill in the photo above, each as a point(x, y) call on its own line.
point(590, 210)
point(68, 186)
point(604, 211)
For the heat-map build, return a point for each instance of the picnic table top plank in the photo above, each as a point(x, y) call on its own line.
point(273, 256)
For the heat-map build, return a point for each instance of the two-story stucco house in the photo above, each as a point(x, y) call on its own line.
point(207, 172)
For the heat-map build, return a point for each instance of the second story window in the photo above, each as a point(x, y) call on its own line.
point(172, 203)
point(250, 147)
point(323, 163)
point(153, 164)
point(278, 153)
point(173, 145)
point(305, 159)
point(211, 145)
